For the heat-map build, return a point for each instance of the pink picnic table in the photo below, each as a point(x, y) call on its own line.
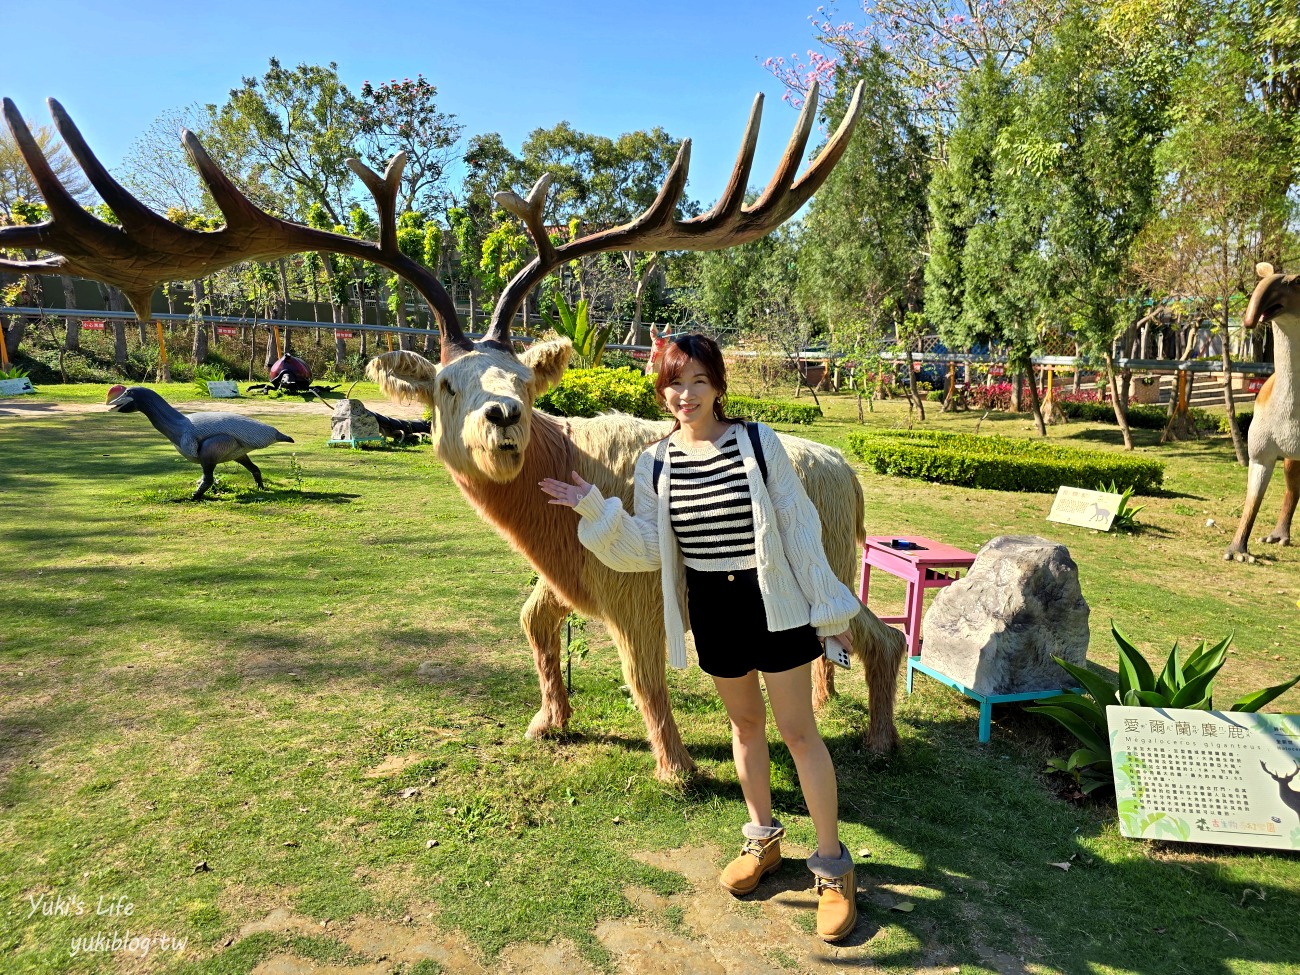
point(925, 564)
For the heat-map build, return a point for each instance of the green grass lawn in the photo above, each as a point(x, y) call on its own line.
point(281, 699)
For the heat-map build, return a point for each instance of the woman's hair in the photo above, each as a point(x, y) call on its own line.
point(705, 351)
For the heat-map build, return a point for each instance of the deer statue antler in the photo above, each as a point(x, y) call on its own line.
point(148, 250)
point(730, 222)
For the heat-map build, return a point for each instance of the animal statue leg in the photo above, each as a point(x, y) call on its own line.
point(541, 618)
point(1256, 484)
point(880, 648)
point(205, 482)
point(252, 469)
point(1282, 533)
point(645, 669)
point(213, 451)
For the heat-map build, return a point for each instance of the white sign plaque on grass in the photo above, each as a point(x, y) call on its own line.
point(16, 387)
point(223, 389)
point(1207, 776)
point(1084, 508)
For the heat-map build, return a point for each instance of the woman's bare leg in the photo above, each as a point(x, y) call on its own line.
point(790, 693)
point(743, 699)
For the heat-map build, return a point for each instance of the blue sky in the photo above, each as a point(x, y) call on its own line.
point(505, 67)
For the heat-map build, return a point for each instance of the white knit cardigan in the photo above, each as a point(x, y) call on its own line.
point(794, 577)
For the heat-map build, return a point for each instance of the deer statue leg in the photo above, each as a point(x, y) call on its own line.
point(541, 618)
point(880, 648)
point(1282, 533)
point(639, 635)
point(1256, 484)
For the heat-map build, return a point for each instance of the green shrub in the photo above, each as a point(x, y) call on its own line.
point(1183, 683)
point(1243, 424)
point(206, 373)
point(935, 396)
point(586, 392)
point(999, 463)
point(1139, 417)
point(771, 410)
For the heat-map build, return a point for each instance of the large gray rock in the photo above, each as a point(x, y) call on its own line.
point(996, 630)
point(352, 421)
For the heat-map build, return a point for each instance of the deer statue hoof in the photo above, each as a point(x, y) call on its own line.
point(1232, 555)
point(1276, 540)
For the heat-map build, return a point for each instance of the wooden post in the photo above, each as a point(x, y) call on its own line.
point(390, 341)
point(164, 370)
point(4, 349)
point(276, 330)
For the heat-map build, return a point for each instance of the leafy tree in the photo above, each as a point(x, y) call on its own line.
point(860, 250)
point(291, 130)
point(16, 181)
point(403, 116)
point(1096, 110)
point(986, 271)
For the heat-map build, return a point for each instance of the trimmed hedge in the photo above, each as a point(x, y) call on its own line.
point(586, 392)
point(1000, 463)
point(772, 411)
point(1243, 424)
point(1140, 417)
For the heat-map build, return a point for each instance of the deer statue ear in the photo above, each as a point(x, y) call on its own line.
point(404, 376)
point(548, 361)
point(1264, 269)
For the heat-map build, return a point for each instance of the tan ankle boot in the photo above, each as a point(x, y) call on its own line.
point(837, 906)
point(759, 856)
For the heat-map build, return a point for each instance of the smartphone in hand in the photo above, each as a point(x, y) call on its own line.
point(837, 653)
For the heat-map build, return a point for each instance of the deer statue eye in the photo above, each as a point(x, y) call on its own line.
point(446, 388)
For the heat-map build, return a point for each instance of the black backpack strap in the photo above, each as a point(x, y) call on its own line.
point(757, 444)
point(660, 448)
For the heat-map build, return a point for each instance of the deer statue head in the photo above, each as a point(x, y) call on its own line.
point(1275, 299)
point(481, 392)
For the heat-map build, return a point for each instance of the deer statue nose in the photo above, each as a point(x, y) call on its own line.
point(503, 416)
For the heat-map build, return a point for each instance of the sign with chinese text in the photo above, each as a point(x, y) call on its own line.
point(341, 334)
point(1223, 777)
point(1254, 384)
point(228, 330)
point(94, 324)
point(1084, 508)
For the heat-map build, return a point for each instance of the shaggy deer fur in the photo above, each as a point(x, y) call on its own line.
point(497, 448)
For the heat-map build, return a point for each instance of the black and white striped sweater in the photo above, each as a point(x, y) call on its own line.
point(710, 507)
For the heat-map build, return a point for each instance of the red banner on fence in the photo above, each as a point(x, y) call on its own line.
point(94, 324)
point(227, 330)
point(342, 334)
point(997, 370)
point(1255, 384)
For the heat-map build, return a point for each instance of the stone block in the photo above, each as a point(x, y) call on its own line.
point(997, 630)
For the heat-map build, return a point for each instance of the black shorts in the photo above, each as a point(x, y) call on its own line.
point(730, 627)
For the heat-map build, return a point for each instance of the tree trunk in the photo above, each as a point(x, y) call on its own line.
point(1120, 416)
point(404, 341)
point(13, 334)
point(72, 328)
point(1036, 404)
point(1017, 391)
point(117, 303)
point(1180, 425)
point(199, 350)
point(1238, 441)
point(912, 392)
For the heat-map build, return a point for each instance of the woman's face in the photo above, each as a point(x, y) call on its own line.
point(690, 396)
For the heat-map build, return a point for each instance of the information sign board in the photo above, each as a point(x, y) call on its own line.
point(16, 387)
point(1084, 508)
point(228, 330)
point(94, 324)
point(1224, 777)
point(223, 389)
point(340, 333)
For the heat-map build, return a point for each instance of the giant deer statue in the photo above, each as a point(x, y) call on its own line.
point(1275, 427)
point(482, 393)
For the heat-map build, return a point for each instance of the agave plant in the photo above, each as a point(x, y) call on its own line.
point(1125, 517)
point(1185, 682)
point(575, 325)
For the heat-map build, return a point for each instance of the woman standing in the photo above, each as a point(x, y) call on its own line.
point(718, 503)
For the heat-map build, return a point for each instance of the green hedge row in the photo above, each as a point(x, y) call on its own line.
point(772, 411)
point(1243, 424)
point(586, 392)
point(1000, 463)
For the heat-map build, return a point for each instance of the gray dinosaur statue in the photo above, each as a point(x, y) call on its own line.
point(206, 439)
